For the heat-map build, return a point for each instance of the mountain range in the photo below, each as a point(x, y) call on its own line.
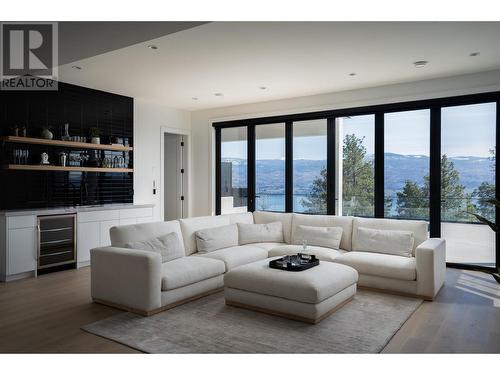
point(473, 171)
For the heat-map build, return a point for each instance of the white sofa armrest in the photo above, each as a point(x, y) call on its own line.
point(126, 277)
point(431, 267)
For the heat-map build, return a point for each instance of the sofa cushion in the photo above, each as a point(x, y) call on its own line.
point(124, 234)
point(263, 217)
point(419, 228)
point(318, 236)
point(237, 256)
point(383, 265)
point(344, 222)
point(216, 238)
point(168, 246)
point(191, 225)
point(322, 253)
point(245, 217)
point(189, 270)
point(392, 242)
point(267, 245)
point(251, 233)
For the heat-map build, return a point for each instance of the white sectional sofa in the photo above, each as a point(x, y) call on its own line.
point(138, 281)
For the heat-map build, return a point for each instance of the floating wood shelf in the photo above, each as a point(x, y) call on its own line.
point(22, 167)
point(48, 142)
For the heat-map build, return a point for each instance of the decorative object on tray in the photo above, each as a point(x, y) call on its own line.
point(47, 134)
point(14, 131)
point(22, 131)
point(95, 134)
point(294, 263)
point(44, 159)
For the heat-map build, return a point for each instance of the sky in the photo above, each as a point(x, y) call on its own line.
point(465, 131)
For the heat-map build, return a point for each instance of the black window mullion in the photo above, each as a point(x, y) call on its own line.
point(289, 166)
point(251, 168)
point(379, 165)
point(217, 171)
point(330, 166)
point(497, 185)
point(435, 173)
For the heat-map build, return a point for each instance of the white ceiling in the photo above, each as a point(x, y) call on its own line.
point(291, 59)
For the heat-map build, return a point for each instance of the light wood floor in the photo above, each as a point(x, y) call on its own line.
point(44, 315)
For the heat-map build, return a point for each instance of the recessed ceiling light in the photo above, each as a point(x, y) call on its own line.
point(194, 98)
point(219, 94)
point(77, 67)
point(352, 74)
point(420, 64)
point(263, 87)
point(152, 46)
point(474, 54)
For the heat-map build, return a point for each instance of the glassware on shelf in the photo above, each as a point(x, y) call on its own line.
point(66, 136)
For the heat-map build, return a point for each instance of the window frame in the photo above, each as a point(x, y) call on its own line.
point(379, 110)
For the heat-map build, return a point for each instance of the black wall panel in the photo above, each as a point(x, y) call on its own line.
point(81, 108)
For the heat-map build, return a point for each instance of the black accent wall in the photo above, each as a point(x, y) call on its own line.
point(82, 108)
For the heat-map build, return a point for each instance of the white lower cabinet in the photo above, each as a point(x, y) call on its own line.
point(128, 221)
point(21, 244)
point(104, 228)
point(88, 238)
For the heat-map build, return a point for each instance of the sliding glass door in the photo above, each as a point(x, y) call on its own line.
point(355, 165)
point(270, 167)
point(431, 160)
point(233, 170)
point(406, 164)
point(468, 151)
point(309, 166)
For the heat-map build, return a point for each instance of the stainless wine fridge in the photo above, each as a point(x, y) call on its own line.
point(56, 242)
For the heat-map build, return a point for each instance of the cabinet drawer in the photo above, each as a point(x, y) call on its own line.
point(136, 212)
point(15, 222)
point(85, 217)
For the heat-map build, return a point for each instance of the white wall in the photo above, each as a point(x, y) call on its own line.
point(203, 154)
point(149, 117)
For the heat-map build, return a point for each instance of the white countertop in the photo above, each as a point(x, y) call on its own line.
point(72, 210)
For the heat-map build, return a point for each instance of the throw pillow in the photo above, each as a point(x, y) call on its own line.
point(211, 239)
point(318, 236)
point(168, 246)
point(393, 242)
point(269, 232)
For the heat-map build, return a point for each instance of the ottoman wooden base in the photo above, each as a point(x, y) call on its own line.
point(288, 316)
point(305, 312)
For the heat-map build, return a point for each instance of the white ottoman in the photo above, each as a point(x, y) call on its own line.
point(308, 296)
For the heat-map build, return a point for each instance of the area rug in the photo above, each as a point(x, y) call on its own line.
point(364, 325)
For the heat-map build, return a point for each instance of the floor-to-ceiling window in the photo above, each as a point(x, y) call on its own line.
point(468, 181)
point(406, 164)
point(233, 170)
point(431, 160)
point(270, 167)
point(355, 165)
point(309, 166)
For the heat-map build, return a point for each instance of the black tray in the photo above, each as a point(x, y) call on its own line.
point(291, 262)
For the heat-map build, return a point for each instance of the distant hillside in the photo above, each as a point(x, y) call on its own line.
point(398, 169)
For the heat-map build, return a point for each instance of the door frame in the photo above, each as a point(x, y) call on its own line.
point(187, 168)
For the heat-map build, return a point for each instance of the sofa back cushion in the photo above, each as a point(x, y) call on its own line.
point(211, 239)
point(252, 233)
point(263, 217)
point(245, 217)
point(392, 242)
point(418, 228)
point(344, 222)
point(318, 236)
point(168, 246)
point(124, 234)
point(190, 226)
